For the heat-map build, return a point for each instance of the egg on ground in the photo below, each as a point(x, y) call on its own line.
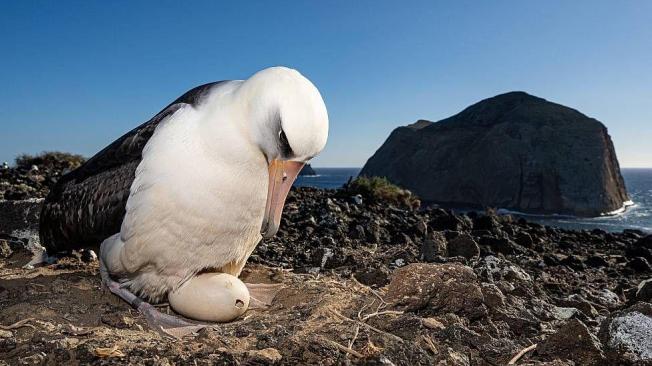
point(216, 297)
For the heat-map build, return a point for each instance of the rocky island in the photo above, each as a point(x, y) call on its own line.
point(513, 151)
point(307, 170)
point(369, 278)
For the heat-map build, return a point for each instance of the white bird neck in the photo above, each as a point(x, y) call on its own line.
point(228, 127)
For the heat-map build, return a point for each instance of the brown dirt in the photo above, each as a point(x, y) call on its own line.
point(313, 320)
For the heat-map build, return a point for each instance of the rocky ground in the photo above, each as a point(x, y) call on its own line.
point(367, 280)
point(31, 176)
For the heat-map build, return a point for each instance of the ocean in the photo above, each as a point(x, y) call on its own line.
point(638, 216)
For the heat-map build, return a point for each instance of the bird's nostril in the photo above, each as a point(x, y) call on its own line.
point(239, 304)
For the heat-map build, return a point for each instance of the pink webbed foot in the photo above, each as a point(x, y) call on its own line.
point(167, 325)
point(262, 294)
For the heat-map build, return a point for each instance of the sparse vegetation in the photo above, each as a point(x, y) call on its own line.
point(50, 159)
point(33, 175)
point(381, 189)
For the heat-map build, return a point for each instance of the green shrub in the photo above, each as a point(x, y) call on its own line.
point(380, 189)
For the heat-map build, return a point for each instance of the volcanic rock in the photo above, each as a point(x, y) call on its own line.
point(575, 341)
point(336, 259)
point(513, 151)
point(434, 245)
point(437, 289)
point(627, 335)
point(19, 215)
point(464, 246)
point(644, 291)
point(32, 176)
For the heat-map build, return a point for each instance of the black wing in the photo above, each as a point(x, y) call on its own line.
point(87, 205)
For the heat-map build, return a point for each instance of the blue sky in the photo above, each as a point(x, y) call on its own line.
point(75, 75)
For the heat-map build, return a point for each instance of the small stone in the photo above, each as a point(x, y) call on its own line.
point(433, 246)
point(7, 344)
point(5, 249)
point(627, 335)
point(634, 333)
point(524, 239)
point(640, 264)
point(323, 254)
point(358, 232)
point(376, 277)
point(514, 273)
point(464, 246)
point(117, 320)
point(493, 297)
point(486, 222)
point(35, 359)
point(645, 242)
point(88, 256)
point(644, 291)
point(563, 313)
point(422, 227)
point(266, 356)
point(596, 261)
point(607, 298)
point(432, 323)
point(210, 337)
point(357, 199)
point(573, 341)
point(502, 245)
point(6, 333)
point(583, 305)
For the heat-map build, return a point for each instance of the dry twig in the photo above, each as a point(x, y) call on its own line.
point(383, 303)
point(521, 353)
point(355, 336)
point(430, 344)
point(341, 347)
point(339, 315)
point(385, 312)
point(19, 324)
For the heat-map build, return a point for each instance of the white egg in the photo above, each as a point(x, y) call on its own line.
point(217, 297)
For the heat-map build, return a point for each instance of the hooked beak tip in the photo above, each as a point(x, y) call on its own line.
point(268, 230)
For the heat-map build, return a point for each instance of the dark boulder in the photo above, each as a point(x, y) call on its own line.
point(433, 245)
point(463, 246)
point(574, 341)
point(645, 242)
point(512, 151)
point(644, 291)
point(627, 335)
point(640, 264)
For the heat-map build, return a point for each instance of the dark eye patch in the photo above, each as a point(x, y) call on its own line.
point(286, 149)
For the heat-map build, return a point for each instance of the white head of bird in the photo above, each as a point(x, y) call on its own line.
point(289, 125)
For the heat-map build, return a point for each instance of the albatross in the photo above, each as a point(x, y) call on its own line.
point(179, 203)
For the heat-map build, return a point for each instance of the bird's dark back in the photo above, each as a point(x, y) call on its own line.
point(88, 204)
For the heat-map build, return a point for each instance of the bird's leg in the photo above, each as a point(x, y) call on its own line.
point(163, 323)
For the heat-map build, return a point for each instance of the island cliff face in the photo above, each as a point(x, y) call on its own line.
point(513, 151)
point(307, 170)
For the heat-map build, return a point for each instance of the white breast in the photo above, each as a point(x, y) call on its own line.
point(194, 204)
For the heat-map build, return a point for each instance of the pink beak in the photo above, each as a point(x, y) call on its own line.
point(281, 176)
